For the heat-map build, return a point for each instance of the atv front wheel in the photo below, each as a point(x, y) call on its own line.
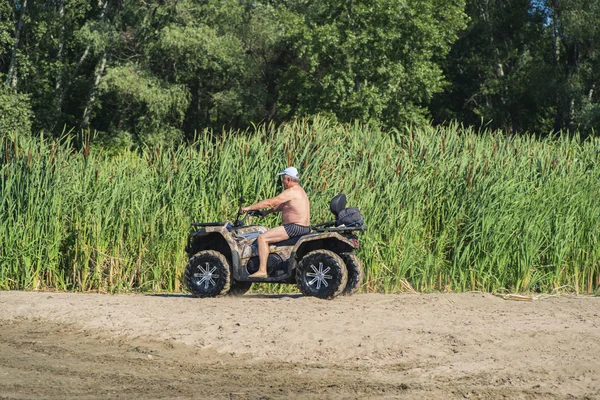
point(355, 273)
point(207, 274)
point(322, 274)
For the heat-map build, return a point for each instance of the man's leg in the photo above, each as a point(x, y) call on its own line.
point(271, 236)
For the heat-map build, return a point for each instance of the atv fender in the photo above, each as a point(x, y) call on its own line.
point(319, 241)
point(218, 239)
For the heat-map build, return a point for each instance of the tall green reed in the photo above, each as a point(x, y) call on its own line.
point(448, 209)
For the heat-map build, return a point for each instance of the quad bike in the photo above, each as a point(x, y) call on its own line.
point(223, 255)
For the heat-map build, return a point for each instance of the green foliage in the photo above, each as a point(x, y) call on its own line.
point(6, 28)
point(515, 65)
point(193, 49)
point(146, 104)
point(496, 68)
point(524, 66)
point(15, 113)
point(447, 208)
point(588, 117)
point(239, 62)
point(209, 64)
point(368, 60)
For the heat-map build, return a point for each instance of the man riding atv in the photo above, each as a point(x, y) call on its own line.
point(294, 206)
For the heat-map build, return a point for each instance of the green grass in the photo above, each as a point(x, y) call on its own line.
point(447, 208)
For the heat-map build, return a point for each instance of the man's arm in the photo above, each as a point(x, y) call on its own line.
point(272, 203)
point(272, 210)
point(264, 213)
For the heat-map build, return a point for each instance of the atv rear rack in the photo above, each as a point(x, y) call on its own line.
point(330, 227)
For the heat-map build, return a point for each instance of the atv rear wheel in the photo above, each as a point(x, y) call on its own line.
point(207, 274)
point(322, 274)
point(355, 273)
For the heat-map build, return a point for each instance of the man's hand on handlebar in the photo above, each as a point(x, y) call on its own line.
point(255, 213)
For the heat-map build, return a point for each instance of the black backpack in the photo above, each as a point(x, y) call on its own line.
point(349, 217)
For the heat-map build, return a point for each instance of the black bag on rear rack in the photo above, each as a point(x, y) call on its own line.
point(350, 217)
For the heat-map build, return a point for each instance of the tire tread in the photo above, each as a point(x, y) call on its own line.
point(339, 282)
point(211, 254)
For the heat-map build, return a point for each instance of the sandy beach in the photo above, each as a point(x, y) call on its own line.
point(405, 346)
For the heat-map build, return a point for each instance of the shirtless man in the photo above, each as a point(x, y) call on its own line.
point(295, 211)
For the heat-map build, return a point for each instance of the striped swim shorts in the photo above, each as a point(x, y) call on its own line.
point(294, 230)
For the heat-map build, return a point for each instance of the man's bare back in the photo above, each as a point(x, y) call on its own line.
point(296, 210)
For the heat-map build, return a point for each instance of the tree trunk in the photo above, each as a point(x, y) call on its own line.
point(559, 119)
point(90, 103)
point(86, 52)
point(61, 45)
point(87, 112)
point(103, 12)
point(11, 81)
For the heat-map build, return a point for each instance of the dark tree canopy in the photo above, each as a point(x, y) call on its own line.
point(159, 71)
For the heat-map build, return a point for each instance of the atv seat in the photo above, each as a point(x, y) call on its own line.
point(288, 242)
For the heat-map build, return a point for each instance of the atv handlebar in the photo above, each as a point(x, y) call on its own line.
point(239, 220)
point(258, 213)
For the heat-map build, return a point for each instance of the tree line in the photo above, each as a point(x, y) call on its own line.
point(150, 71)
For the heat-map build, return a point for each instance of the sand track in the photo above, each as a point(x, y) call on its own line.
point(71, 345)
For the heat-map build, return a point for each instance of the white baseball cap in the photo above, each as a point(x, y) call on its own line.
point(290, 171)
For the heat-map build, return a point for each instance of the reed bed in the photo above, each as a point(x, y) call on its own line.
point(448, 208)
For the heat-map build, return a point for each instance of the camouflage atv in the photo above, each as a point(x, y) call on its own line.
point(223, 255)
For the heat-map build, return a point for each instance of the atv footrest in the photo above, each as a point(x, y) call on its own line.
point(275, 279)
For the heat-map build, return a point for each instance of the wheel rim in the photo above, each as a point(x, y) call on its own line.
point(319, 275)
point(206, 275)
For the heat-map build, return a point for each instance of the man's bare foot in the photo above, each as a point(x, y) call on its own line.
point(259, 274)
